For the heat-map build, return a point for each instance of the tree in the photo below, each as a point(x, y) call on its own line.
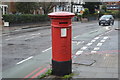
point(26, 7)
point(48, 6)
point(86, 12)
point(104, 8)
point(92, 6)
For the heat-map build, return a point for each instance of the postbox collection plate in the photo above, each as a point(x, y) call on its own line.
point(63, 32)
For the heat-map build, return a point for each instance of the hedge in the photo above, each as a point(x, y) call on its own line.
point(24, 18)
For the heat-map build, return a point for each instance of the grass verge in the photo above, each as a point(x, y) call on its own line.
point(46, 74)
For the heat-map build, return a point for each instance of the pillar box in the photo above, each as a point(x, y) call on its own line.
point(61, 43)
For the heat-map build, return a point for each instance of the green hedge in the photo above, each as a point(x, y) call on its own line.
point(24, 18)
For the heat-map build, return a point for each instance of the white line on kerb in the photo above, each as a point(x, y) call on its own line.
point(47, 49)
point(102, 41)
point(99, 44)
point(24, 60)
point(79, 52)
point(105, 37)
point(89, 44)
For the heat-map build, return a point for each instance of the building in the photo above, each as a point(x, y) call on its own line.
point(113, 5)
point(74, 7)
point(8, 7)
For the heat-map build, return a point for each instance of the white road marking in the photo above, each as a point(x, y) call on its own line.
point(99, 44)
point(78, 43)
point(15, 37)
point(47, 49)
point(30, 37)
point(33, 34)
point(74, 56)
point(74, 42)
point(91, 24)
point(24, 60)
point(93, 51)
point(21, 36)
point(93, 40)
point(0, 45)
point(79, 52)
point(105, 37)
point(100, 35)
point(83, 48)
point(97, 38)
point(102, 41)
point(89, 44)
point(17, 30)
point(76, 36)
point(93, 31)
point(36, 34)
point(96, 48)
point(8, 39)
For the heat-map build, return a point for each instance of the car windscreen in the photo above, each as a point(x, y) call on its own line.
point(104, 17)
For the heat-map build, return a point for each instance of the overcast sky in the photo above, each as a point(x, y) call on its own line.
point(111, 0)
point(58, 0)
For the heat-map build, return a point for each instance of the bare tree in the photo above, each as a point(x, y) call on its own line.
point(48, 6)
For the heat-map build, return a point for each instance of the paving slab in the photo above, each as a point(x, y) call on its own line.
point(105, 66)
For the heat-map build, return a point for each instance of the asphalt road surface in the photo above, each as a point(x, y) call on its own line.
point(25, 53)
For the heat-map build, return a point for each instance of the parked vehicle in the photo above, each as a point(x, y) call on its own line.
point(106, 19)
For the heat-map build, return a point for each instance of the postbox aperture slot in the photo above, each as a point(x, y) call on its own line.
point(63, 22)
point(63, 32)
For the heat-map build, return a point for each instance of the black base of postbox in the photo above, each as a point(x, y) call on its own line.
point(61, 68)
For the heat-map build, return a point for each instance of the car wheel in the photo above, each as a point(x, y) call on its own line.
point(99, 23)
point(109, 24)
point(113, 23)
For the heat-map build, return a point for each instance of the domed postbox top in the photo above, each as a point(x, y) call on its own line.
point(61, 14)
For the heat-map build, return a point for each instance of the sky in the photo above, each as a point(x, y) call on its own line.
point(111, 0)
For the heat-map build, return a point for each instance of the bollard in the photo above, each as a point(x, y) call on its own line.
point(61, 43)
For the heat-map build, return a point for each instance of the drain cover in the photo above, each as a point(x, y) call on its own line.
point(85, 62)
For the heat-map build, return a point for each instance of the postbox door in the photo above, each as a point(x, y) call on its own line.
point(61, 41)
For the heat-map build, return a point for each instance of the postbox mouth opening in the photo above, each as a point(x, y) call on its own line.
point(63, 22)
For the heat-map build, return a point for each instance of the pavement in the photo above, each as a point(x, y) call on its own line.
point(95, 64)
point(16, 29)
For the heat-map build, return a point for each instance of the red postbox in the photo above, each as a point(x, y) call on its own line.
point(61, 43)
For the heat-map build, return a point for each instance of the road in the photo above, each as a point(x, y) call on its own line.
point(26, 53)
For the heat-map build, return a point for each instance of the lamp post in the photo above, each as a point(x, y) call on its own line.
point(98, 14)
